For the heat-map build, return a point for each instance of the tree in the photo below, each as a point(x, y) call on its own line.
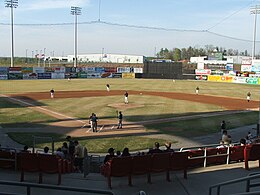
point(177, 54)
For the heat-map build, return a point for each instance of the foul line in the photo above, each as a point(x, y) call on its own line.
point(41, 108)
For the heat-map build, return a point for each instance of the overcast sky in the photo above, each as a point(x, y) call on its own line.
point(178, 23)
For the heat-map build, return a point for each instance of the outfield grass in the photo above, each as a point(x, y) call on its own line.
point(184, 86)
point(97, 145)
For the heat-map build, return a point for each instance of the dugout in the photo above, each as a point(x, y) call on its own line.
point(162, 70)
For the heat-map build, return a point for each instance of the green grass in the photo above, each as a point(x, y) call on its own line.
point(185, 86)
point(134, 143)
point(16, 116)
point(205, 126)
point(153, 107)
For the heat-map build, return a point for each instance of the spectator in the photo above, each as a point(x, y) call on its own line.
point(78, 156)
point(59, 153)
point(221, 144)
point(242, 142)
point(71, 147)
point(223, 126)
point(168, 147)
point(248, 141)
point(156, 149)
point(46, 150)
point(65, 150)
point(110, 155)
point(126, 152)
point(25, 149)
point(226, 138)
point(118, 153)
point(250, 136)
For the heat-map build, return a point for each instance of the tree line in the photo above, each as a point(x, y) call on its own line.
point(177, 54)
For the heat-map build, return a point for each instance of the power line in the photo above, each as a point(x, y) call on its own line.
point(135, 26)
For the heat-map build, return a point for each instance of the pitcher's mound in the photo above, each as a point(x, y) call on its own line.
point(123, 106)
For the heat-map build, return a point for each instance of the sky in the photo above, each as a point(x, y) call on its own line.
point(134, 27)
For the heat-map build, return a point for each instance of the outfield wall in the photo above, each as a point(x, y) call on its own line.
point(234, 79)
point(26, 73)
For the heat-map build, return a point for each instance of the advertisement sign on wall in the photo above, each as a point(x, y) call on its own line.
point(46, 75)
point(15, 76)
point(106, 75)
point(27, 69)
point(3, 70)
point(202, 71)
point(82, 75)
point(201, 77)
point(117, 75)
point(57, 75)
point(28, 76)
point(123, 69)
point(38, 69)
point(239, 80)
point(110, 69)
point(128, 75)
point(3, 76)
point(15, 69)
point(138, 70)
point(252, 80)
point(94, 75)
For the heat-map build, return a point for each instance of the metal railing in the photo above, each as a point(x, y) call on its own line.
point(28, 187)
point(246, 179)
point(205, 155)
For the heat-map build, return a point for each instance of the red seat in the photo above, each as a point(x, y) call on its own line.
point(251, 153)
point(196, 158)
point(49, 164)
point(211, 156)
point(118, 167)
point(28, 163)
point(236, 153)
point(159, 163)
point(179, 161)
point(222, 158)
point(9, 159)
point(141, 165)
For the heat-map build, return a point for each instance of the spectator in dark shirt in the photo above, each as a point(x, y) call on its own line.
point(168, 147)
point(110, 155)
point(126, 152)
point(156, 149)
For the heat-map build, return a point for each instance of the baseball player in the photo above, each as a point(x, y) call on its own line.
point(52, 93)
point(120, 119)
point(248, 96)
point(126, 97)
point(197, 90)
point(108, 87)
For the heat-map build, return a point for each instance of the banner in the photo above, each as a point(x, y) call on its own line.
point(59, 69)
point(3, 76)
point(252, 80)
point(201, 77)
point(38, 69)
point(46, 75)
point(99, 69)
point(94, 75)
point(57, 75)
point(128, 75)
point(3, 70)
point(239, 80)
point(203, 72)
point(106, 75)
point(15, 69)
point(28, 76)
point(138, 70)
point(90, 69)
point(117, 75)
point(111, 69)
point(83, 75)
point(15, 76)
point(27, 69)
point(123, 69)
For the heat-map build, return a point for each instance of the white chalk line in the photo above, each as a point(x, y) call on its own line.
point(41, 108)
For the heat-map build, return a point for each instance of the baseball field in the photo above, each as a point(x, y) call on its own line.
point(158, 110)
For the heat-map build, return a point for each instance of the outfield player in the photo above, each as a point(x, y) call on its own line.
point(248, 96)
point(52, 93)
point(108, 87)
point(197, 90)
point(126, 97)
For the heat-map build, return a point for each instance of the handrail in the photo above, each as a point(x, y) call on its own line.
point(205, 147)
point(54, 187)
point(247, 179)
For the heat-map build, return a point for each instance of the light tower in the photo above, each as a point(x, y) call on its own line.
point(12, 4)
point(76, 11)
point(254, 10)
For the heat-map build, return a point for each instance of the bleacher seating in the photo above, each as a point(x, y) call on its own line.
point(251, 153)
point(145, 164)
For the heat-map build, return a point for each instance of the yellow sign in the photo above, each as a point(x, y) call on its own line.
point(128, 75)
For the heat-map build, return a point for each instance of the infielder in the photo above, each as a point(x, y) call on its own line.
point(126, 97)
point(52, 93)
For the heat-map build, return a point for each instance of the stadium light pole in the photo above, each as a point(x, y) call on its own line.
point(12, 4)
point(254, 10)
point(76, 11)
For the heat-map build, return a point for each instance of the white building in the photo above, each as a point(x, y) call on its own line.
point(112, 58)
